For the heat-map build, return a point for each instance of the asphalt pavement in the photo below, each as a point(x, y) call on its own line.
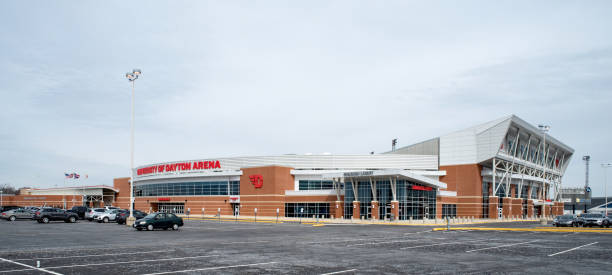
point(226, 247)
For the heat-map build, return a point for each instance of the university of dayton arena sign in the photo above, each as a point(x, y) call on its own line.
point(180, 166)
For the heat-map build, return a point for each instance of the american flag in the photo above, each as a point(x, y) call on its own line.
point(69, 176)
point(76, 176)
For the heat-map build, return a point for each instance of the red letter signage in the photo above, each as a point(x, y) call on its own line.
point(256, 180)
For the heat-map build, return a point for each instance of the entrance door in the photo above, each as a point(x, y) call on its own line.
point(236, 207)
point(177, 208)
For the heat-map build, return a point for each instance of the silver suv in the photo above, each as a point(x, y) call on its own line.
point(91, 214)
point(596, 219)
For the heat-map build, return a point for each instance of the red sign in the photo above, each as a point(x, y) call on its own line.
point(424, 188)
point(256, 180)
point(181, 166)
point(163, 199)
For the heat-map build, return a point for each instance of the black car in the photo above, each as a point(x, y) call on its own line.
point(159, 220)
point(80, 210)
point(124, 214)
point(46, 215)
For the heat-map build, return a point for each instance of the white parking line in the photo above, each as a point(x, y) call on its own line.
point(505, 245)
point(338, 272)
point(92, 255)
point(247, 242)
point(107, 263)
point(30, 267)
point(426, 231)
point(209, 268)
point(436, 244)
point(571, 249)
point(402, 241)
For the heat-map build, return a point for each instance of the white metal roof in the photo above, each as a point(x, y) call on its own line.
point(386, 174)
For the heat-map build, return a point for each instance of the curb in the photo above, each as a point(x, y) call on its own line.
point(526, 229)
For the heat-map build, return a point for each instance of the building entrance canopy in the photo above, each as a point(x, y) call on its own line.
point(386, 174)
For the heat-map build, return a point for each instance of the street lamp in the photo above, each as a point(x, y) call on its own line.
point(132, 78)
point(544, 129)
point(605, 166)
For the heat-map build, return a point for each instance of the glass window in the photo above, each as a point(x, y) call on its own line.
point(316, 185)
point(211, 188)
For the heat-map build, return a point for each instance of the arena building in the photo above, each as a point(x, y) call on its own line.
point(500, 168)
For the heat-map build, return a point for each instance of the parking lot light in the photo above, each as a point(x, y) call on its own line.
point(605, 166)
point(132, 78)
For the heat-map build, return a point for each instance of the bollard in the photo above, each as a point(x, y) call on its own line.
point(38, 264)
point(447, 224)
point(255, 214)
point(202, 212)
point(277, 210)
point(219, 213)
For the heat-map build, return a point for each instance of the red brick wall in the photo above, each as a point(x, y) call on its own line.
point(467, 182)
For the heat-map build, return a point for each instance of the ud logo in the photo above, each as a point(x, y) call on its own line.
point(256, 180)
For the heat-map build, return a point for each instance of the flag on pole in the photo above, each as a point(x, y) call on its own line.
point(68, 176)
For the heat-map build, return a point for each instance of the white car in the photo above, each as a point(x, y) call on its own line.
point(109, 215)
point(91, 214)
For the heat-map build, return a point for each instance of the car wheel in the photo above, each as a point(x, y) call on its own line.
point(45, 220)
point(72, 219)
point(150, 227)
point(12, 218)
point(175, 226)
point(105, 220)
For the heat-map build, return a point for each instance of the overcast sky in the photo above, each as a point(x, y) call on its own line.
point(239, 78)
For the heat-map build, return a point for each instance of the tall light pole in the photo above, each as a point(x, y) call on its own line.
point(605, 166)
point(132, 78)
point(544, 129)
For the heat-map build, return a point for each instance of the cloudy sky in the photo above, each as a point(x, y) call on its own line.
point(239, 78)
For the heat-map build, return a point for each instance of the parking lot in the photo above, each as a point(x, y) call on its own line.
point(247, 247)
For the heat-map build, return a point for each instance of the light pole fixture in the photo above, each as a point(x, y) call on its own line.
point(544, 129)
point(605, 166)
point(132, 78)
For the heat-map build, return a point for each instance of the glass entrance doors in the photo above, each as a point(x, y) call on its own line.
point(177, 208)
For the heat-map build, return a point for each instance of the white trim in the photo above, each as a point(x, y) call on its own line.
point(445, 193)
point(330, 192)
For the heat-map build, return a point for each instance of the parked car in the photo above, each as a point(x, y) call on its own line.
point(15, 214)
point(159, 220)
point(109, 215)
point(80, 210)
point(32, 209)
point(122, 216)
point(89, 215)
point(8, 207)
point(564, 220)
point(46, 215)
point(594, 219)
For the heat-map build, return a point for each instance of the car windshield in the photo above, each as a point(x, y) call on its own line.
point(592, 215)
point(99, 210)
point(150, 216)
point(566, 217)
